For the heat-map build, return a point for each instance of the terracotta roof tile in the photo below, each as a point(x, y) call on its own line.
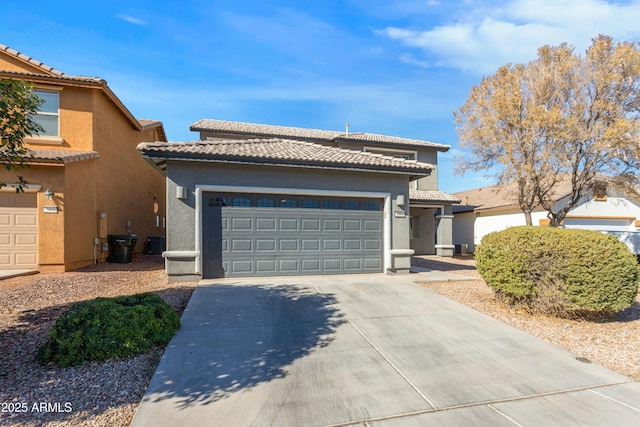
point(30, 60)
point(283, 152)
point(431, 196)
point(502, 196)
point(259, 130)
point(61, 156)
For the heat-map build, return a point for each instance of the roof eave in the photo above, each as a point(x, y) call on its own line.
point(66, 80)
point(412, 172)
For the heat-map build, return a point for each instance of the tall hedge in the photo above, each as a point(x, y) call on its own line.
point(566, 272)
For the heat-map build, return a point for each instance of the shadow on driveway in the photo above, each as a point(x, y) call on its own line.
point(234, 337)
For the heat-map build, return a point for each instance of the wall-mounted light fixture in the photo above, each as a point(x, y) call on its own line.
point(400, 200)
point(48, 194)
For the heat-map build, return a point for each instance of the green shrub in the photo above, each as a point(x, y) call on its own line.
point(565, 272)
point(103, 328)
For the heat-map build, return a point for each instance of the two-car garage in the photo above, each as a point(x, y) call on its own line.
point(279, 234)
point(270, 207)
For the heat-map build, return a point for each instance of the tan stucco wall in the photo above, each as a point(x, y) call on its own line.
point(51, 239)
point(119, 183)
point(128, 188)
point(10, 63)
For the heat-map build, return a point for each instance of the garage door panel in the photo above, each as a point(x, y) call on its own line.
point(311, 266)
point(332, 225)
point(352, 245)
point(242, 266)
point(25, 239)
point(288, 224)
point(372, 245)
point(310, 225)
point(239, 224)
point(332, 245)
point(352, 264)
point(288, 265)
point(241, 245)
point(310, 244)
point(352, 225)
point(18, 230)
point(288, 245)
point(265, 245)
point(372, 225)
point(271, 239)
point(265, 224)
point(372, 264)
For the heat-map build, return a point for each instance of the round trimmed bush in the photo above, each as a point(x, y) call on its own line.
point(565, 272)
point(104, 328)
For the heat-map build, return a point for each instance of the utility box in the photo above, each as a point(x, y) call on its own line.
point(155, 245)
point(122, 246)
point(461, 249)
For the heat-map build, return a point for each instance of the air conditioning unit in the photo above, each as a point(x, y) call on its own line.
point(461, 249)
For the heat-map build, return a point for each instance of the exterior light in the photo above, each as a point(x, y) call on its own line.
point(48, 194)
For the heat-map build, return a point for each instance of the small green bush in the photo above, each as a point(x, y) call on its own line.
point(104, 328)
point(564, 272)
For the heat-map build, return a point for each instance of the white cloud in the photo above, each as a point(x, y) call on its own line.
point(487, 36)
point(132, 20)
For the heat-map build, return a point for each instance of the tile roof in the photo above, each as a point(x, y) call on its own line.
point(31, 61)
point(278, 151)
point(286, 132)
point(60, 156)
point(431, 196)
point(53, 76)
point(502, 196)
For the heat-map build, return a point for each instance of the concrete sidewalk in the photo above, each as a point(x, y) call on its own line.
point(6, 274)
point(369, 350)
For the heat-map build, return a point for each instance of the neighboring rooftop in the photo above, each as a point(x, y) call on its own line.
point(501, 196)
point(227, 128)
point(281, 152)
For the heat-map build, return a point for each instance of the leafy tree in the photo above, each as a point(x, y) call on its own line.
point(18, 105)
point(562, 116)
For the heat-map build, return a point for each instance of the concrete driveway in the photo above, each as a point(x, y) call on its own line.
point(368, 350)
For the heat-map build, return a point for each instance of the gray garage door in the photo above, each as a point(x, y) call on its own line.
point(266, 235)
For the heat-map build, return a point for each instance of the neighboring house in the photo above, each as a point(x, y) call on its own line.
point(605, 208)
point(85, 178)
point(251, 199)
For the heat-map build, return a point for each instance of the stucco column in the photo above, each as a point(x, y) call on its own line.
point(444, 232)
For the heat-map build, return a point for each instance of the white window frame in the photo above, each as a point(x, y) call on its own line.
point(56, 114)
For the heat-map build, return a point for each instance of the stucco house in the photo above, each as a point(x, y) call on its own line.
point(250, 199)
point(606, 208)
point(85, 178)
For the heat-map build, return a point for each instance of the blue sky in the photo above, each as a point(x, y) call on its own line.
point(396, 67)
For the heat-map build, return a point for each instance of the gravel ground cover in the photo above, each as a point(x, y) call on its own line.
point(91, 394)
point(613, 342)
point(108, 394)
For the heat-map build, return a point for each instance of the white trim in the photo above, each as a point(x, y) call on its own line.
point(200, 188)
point(389, 150)
point(180, 254)
point(28, 188)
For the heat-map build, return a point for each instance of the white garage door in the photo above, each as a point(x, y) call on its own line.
point(18, 230)
point(266, 235)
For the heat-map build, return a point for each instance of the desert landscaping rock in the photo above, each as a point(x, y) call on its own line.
point(108, 394)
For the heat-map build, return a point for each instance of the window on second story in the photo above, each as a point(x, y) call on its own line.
point(48, 115)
